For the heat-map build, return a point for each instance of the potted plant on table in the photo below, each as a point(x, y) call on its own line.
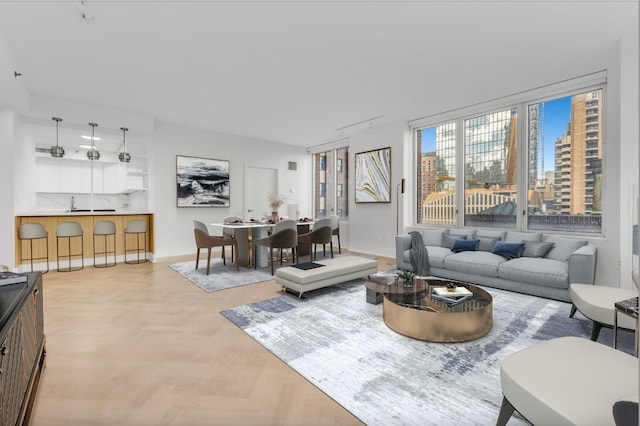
point(275, 201)
point(407, 278)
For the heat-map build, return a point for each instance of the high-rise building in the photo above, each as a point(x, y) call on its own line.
point(578, 157)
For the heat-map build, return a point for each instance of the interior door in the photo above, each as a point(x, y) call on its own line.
point(258, 183)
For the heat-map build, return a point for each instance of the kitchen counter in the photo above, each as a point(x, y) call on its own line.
point(86, 219)
point(81, 212)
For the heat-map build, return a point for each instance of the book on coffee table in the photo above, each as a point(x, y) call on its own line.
point(458, 291)
point(451, 300)
point(8, 277)
point(388, 277)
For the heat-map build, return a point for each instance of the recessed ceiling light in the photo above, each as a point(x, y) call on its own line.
point(89, 138)
point(85, 146)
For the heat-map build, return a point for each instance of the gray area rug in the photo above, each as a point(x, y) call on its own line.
point(220, 276)
point(341, 345)
point(225, 276)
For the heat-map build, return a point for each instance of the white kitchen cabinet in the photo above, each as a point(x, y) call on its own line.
point(74, 176)
point(115, 178)
point(48, 174)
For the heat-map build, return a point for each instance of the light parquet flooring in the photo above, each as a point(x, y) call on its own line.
point(141, 345)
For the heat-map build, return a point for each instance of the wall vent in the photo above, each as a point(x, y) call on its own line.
point(293, 165)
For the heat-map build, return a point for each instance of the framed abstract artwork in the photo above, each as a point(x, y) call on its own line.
point(373, 176)
point(202, 182)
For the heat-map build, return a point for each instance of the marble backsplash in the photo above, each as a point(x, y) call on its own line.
point(49, 202)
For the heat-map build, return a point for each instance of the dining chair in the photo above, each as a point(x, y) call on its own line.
point(335, 229)
point(208, 241)
point(230, 233)
point(283, 237)
point(322, 233)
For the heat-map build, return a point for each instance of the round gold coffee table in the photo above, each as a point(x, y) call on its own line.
point(416, 311)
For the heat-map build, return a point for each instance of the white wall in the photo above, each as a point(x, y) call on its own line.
point(7, 188)
point(372, 226)
point(173, 226)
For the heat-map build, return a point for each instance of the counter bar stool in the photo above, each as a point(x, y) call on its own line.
point(68, 231)
point(137, 228)
point(104, 229)
point(30, 232)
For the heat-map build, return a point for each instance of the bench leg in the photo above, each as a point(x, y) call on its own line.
point(506, 410)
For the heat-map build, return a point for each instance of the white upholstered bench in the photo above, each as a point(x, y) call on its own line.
point(567, 381)
point(334, 271)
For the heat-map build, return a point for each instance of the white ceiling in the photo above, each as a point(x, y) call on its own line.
point(296, 71)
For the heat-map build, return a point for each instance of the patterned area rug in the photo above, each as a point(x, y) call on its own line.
point(220, 276)
point(341, 345)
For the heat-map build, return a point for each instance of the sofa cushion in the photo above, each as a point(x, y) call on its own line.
point(448, 239)
point(474, 263)
point(462, 231)
point(436, 256)
point(465, 245)
point(491, 234)
point(432, 237)
point(536, 248)
point(517, 237)
point(536, 271)
point(563, 247)
point(508, 250)
point(486, 243)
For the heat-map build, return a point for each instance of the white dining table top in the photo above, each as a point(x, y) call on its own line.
point(256, 224)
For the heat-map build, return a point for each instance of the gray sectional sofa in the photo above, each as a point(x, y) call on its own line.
point(531, 263)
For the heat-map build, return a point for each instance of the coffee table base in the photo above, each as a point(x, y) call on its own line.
point(444, 327)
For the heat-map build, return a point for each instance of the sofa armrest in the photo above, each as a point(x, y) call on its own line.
point(582, 265)
point(403, 243)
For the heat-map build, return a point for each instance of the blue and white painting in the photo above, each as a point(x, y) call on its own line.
point(373, 176)
point(202, 182)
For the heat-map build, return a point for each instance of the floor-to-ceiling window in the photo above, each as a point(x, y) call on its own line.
point(543, 175)
point(330, 194)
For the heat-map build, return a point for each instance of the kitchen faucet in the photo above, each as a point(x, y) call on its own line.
point(73, 204)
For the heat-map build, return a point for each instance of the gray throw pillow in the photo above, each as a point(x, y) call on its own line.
point(536, 248)
point(486, 243)
point(448, 239)
point(432, 237)
point(564, 247)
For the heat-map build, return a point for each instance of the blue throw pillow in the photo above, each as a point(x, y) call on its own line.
point(508, 250)
point(465, 245)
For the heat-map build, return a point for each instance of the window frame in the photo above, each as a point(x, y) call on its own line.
point(519, 102)
point(331, 162)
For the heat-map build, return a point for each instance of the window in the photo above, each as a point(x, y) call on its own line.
point(436, 183)
point(490, 190)
point(565, 163)
point(330, 183)
point(560, 148)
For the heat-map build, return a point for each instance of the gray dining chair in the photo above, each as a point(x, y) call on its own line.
point(335, 229)
point(283, 237)
point(231, 233)
point(322, 233)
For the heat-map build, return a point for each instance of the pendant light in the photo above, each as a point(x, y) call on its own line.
point(93, 153)
point(57, 151)
point(124, 156)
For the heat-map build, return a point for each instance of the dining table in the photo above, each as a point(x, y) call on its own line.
point(245, 232)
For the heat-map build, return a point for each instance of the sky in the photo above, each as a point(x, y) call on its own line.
point(557, 113)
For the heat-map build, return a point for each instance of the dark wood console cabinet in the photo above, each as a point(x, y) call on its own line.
point(22, 348)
